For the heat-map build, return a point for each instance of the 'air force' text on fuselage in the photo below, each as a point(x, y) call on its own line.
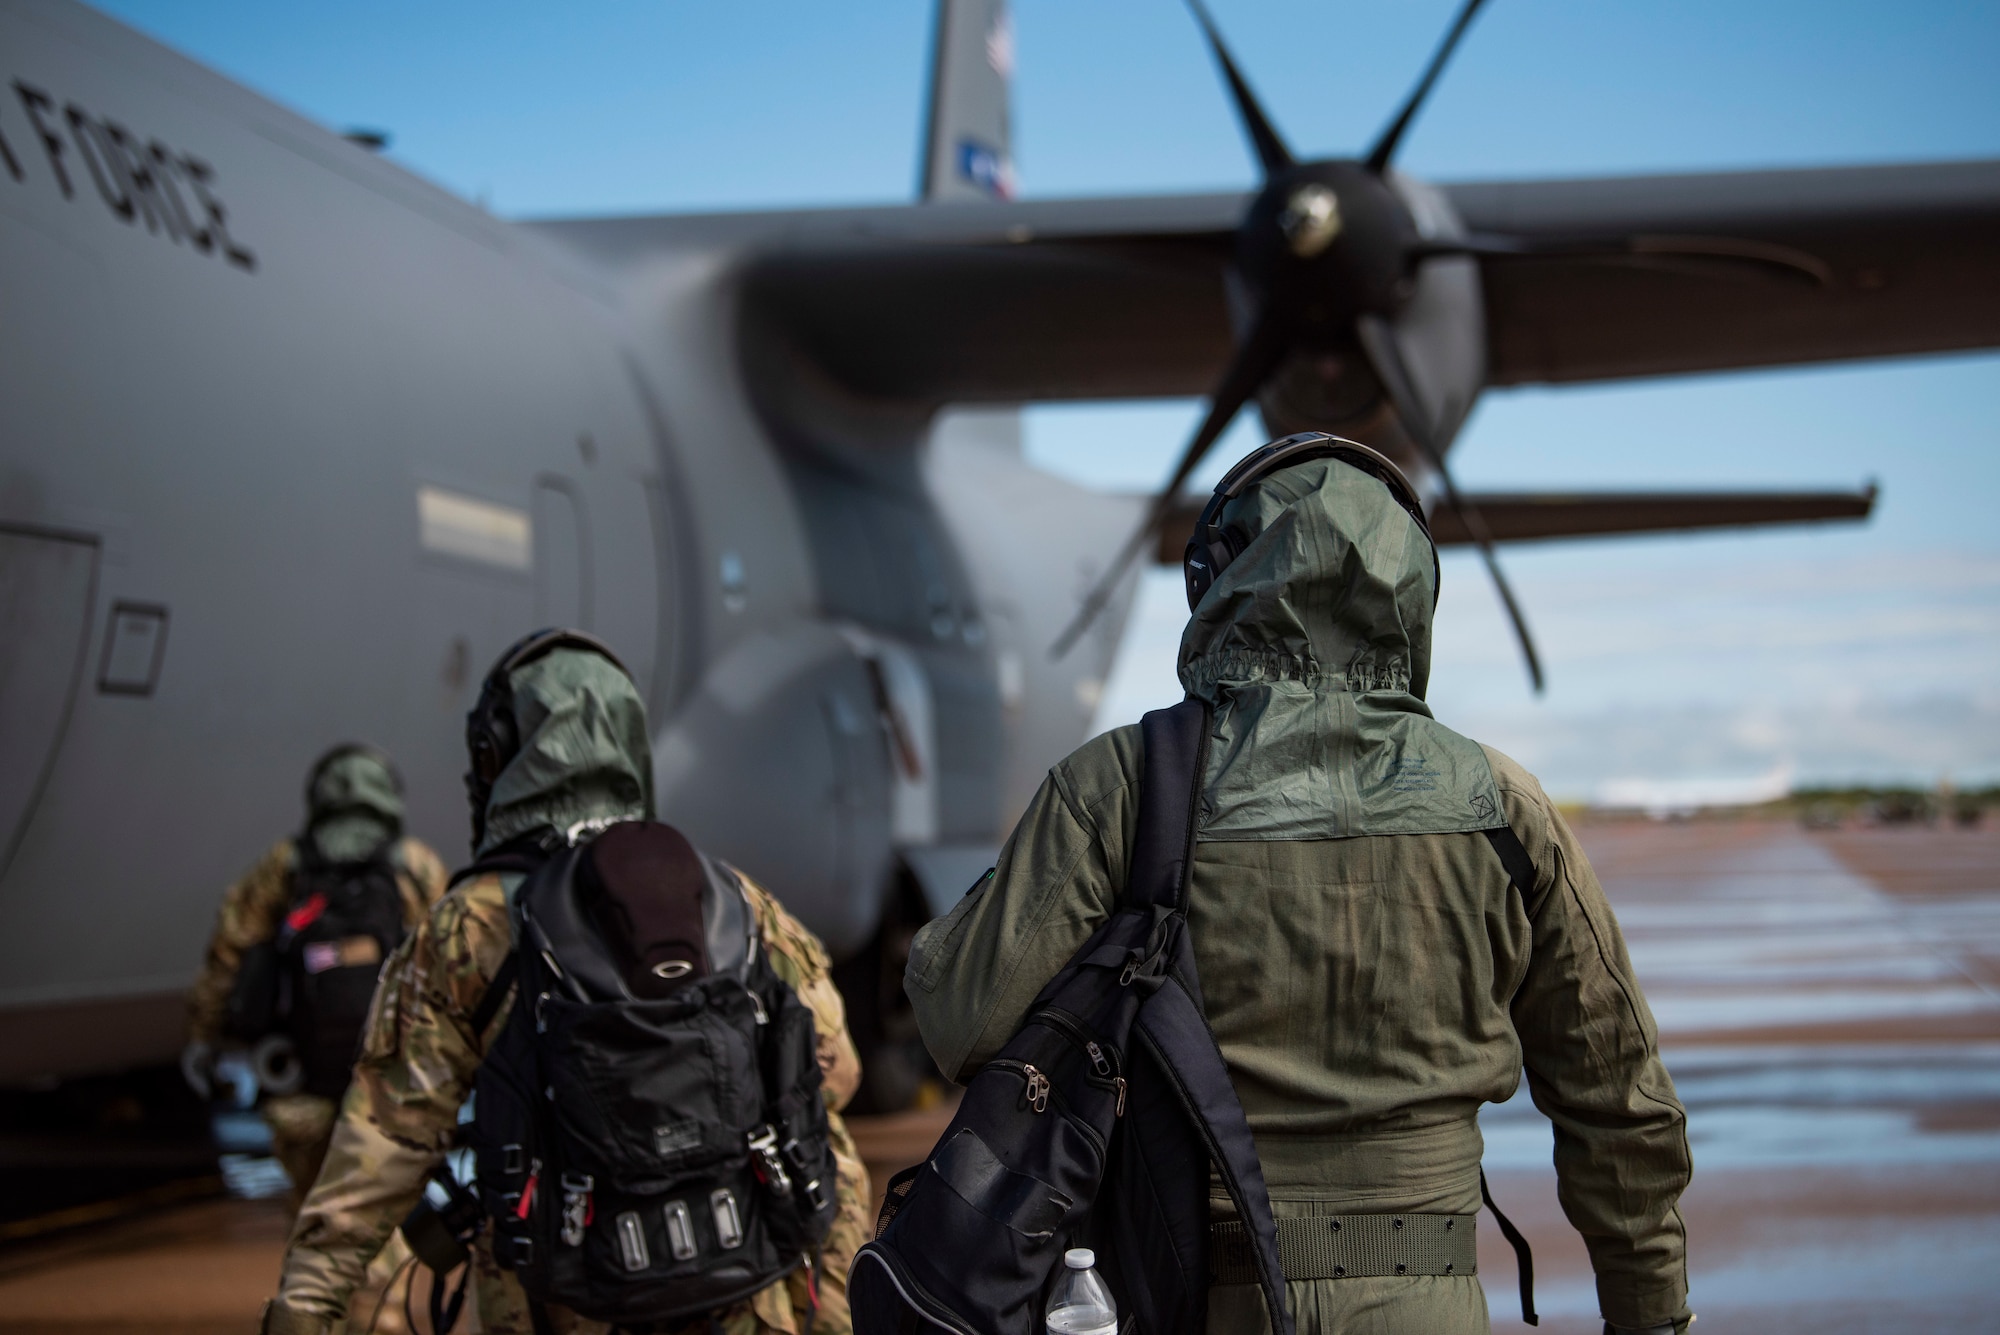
point(139, 179)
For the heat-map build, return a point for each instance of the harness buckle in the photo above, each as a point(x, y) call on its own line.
point(577, 1209)
point(770, 1164)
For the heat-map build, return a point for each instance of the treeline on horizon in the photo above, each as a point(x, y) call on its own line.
point(1828, 805)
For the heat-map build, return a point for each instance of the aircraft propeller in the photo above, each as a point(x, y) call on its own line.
point(1325, 261)
point(1324, 255)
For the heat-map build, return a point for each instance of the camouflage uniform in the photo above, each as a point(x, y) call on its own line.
point(417, 1063)
point(251, 912)
point(585, 756)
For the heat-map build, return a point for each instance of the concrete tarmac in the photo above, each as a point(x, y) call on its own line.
point(1829, 1005)
point(1830, 1008)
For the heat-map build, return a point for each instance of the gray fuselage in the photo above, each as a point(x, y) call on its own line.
point(293, 443)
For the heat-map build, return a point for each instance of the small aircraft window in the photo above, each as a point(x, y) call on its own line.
point(134, 649)
point(474, 530)
point(734, 582)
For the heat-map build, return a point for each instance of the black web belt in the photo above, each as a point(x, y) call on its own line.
point(1343, 1246)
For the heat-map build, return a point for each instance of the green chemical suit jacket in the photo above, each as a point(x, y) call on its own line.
point(1368, 970)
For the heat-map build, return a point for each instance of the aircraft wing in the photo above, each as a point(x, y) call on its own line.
point(1870, 262)
point(1538, 516)
point(994, 303)
point(1583, 280)
point(1542, 516)
point(1608, 278)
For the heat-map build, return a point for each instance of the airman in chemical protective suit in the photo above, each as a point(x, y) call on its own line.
point(581, 757)
point(1368, 969)
point(354, 811)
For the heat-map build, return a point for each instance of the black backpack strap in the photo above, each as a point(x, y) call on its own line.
point(496, 993)
point(513, 857)
point(1176, 741)
point(1514, 857)
point(1171, 1021)
point(1524, 1256)
point(1521, 871)
point(500, 861)
point(295, 868)
point(444, 1311)
point(1174, 1027)
point(524, 854)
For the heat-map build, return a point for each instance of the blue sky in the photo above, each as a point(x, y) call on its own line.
point(1852, 653)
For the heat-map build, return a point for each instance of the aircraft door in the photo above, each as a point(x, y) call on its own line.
point(562, 557)
point(47, 584)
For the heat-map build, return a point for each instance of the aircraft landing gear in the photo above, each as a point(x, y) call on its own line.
point(894, 1063)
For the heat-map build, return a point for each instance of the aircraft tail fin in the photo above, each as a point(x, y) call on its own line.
point(968, 154)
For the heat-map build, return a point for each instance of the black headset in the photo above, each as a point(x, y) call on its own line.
point(341, 752)
point(1212, 547)
point(492, 737)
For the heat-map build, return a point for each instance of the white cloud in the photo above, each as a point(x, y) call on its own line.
point(1686, 664)
point(1875, 741)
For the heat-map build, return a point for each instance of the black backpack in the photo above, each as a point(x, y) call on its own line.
point(649, 1132)
point(1097, 1125)
point(313, 982)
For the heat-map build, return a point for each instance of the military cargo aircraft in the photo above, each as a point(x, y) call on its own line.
point(292, 442)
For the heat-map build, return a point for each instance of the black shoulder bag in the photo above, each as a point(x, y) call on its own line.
point(1097, 1125)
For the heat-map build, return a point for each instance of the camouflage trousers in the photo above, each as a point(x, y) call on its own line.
point(301, 1129)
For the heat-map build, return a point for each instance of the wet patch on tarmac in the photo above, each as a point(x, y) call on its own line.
point(1828, 1009)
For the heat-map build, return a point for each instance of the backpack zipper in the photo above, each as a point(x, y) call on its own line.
point(1038, 1088)
point(1106, 1071)
point(1102, 1065)
point(1037, 1092)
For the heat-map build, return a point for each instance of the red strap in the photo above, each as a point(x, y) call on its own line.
point(307, 913)
point(527, 1197)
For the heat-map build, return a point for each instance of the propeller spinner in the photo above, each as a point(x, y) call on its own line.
point(1325, 259)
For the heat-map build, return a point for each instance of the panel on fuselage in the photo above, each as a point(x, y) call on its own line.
point(46, 584)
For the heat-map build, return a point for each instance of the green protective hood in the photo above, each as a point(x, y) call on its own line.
point(1313, 652)
point(584, 751)
point(353, 806)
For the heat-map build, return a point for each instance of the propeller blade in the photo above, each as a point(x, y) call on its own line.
point(1271, 150)
point(1385, 147)
point(1256, 357)
point(1379, 342)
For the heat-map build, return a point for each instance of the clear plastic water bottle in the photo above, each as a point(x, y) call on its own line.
point(1082, 1304)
